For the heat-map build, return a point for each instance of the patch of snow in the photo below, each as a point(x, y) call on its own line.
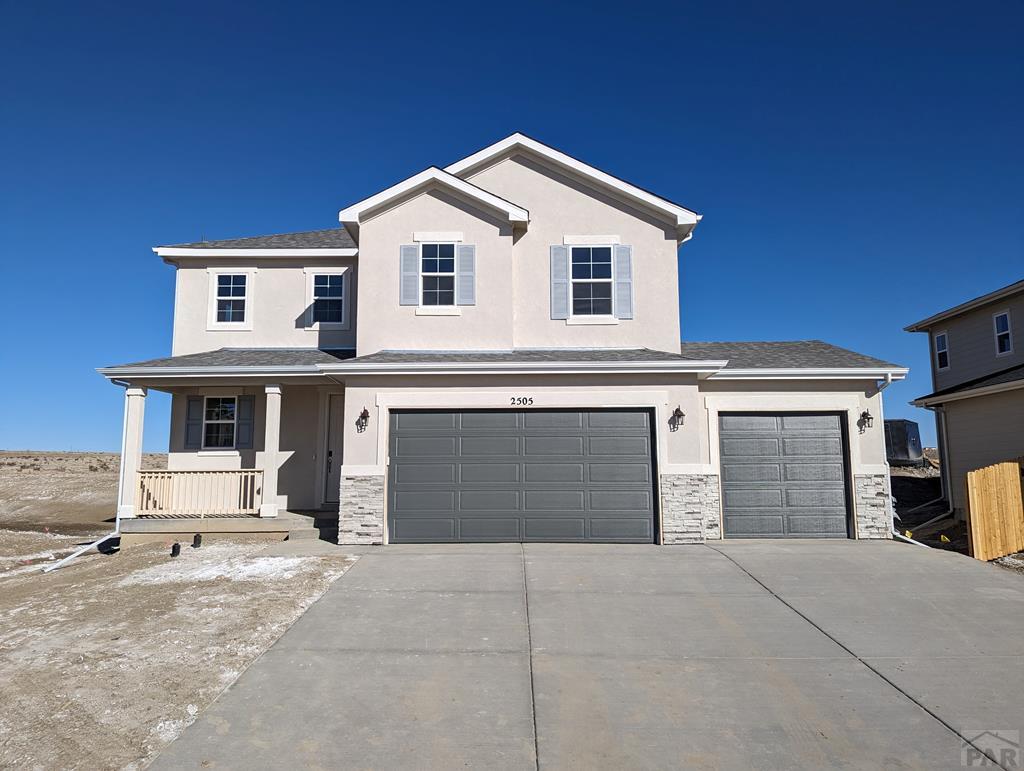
point(212, 564)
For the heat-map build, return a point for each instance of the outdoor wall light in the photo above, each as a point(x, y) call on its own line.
point(865, 422)
point(363, 420)
point(676, 419)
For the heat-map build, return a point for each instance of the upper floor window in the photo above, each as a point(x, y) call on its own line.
point(328, 298)
point(591, 281)
point(437, 274)
point(219, 417)
point(230, 298)
point(941, 351)
point(1004, 338)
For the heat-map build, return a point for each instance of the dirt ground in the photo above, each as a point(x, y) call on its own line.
point(107, 660)
point(72, 492)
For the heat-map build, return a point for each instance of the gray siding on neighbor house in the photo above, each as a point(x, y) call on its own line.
point(981, 431)
point(972, 343)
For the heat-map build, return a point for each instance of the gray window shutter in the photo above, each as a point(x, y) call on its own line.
point(465, 278)
point(624, 282)
point(194, 423)
point(245, 409)
point(409, 269)
point(559, 282)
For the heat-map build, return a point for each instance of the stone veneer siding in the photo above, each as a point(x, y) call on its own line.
point(361, 510)
point(871, 497)
point(690, 508)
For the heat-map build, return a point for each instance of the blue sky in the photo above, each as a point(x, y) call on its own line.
point(859, 166)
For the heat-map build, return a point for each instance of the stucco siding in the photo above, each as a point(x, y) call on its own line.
point(972, 343)
point(277, 306)
point(981, 431)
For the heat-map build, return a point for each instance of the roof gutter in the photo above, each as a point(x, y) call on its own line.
point(174, 251)
point(930, 401)
point(812, 373)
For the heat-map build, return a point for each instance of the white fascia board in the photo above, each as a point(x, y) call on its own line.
point(970, 394)
point(520, 368)
point(683, 216)
point(811, 374)
point(515, 214)
point(1000, 294)
point(112, 373)
point(170, 251)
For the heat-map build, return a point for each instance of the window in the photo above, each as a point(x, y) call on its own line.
point(231, 298)
point(591, 281)
point(941, 351)
point(219, 417)
point(328, 298)
point(437, 274)
point(1004, 338)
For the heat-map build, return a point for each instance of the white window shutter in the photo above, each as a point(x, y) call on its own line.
point(559, 282)
point(465, 275)
point(409, 275)
point(623, 282)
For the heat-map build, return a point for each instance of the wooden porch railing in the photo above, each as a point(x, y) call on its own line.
point(198, 493)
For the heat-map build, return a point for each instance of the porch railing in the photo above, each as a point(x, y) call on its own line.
point(198, 493)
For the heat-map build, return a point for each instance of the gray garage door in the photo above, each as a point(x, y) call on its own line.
point(783, 476)
point(542, 475)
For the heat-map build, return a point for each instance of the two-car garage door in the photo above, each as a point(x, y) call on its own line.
point(507, 475)
point(783, 476)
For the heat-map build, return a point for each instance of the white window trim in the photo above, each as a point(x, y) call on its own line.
point(346, 293)
point(212, 325)
point(935, 352)
point(1008, 332)
point(454, 274)
point(590, 318)
point(234, 426)
point(591, 240)
point(442, 237)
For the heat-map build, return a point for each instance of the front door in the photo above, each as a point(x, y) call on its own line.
point(335, 430)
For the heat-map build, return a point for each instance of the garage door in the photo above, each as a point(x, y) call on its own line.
point(783, 476)
point(580, 475)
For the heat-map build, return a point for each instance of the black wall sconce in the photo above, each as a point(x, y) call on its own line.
point(866, 421)
point(676, 419)
point(363, 420)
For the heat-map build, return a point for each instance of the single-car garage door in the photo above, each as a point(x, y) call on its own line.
point(783, 476)
point(497, 475)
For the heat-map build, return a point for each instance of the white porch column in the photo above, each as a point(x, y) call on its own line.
point(131, 450)
point(271, 443)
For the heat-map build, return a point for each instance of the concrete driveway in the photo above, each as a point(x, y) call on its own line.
point(737, 655)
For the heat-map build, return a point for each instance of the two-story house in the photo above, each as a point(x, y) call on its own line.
point(491, 352)
point(977, 385)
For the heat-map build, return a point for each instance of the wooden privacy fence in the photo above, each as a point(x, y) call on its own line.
point(995, 517)
point(198, 493)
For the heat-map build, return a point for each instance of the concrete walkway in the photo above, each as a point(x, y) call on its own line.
point(738, 655)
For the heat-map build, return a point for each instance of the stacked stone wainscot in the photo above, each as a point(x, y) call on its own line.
point(690, 508)
point(874, 508)
point(361, 510)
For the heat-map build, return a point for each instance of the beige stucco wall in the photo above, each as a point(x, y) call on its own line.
point(561, 206)
point(277, 304)
point(981, 431)
point(298, 456)
point(384, 324)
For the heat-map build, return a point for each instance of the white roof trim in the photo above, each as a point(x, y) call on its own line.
point(172, 251)
point(1013, 385)
point(812, 373)
point(970, 305)
point(683, 217)
point(353, 213)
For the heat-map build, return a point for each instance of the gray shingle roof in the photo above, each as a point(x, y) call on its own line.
point(248, 357)
point(790, 354)
point(332, 238)
point(1011, 375)
point(520, 355)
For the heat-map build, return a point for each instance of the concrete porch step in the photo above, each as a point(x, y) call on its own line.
point(311, 526)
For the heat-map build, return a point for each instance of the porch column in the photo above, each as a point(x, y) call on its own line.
point(271, 443)
point(131, 450)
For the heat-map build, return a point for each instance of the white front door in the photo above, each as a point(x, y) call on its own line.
point(335, 431)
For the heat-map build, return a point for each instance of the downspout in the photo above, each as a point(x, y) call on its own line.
point(116, 532)
point(888, 476)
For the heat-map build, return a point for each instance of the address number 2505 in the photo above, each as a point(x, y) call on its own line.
point(521, 401)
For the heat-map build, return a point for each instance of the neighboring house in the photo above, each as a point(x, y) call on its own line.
point(491, 352)
point(977, 356)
